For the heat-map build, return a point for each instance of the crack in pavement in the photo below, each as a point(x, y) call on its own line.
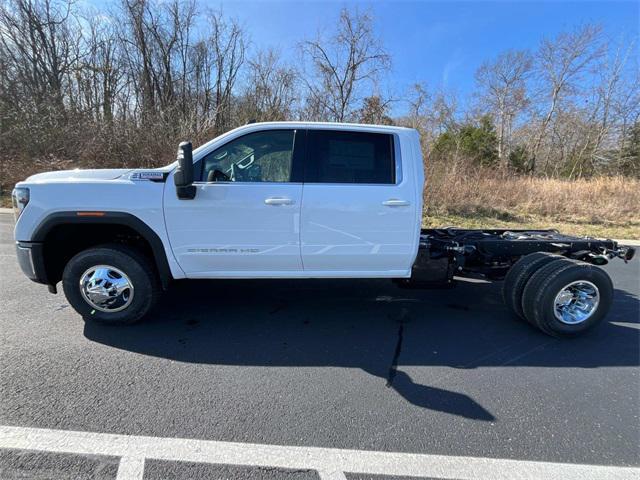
point(393, 369)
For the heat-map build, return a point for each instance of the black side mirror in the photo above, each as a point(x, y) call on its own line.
point(183, 177)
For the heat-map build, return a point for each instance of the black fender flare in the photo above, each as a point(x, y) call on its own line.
point(110, 217)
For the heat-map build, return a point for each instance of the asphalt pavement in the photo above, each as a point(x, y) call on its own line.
point(335, 364)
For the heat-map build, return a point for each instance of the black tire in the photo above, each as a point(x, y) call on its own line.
point(518, 276)
point(132, 263)
point(538, 300)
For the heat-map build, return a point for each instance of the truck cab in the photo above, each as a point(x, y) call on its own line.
point(268, 200)
point(288, 200)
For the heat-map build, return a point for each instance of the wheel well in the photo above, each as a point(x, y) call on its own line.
point(63, 234)
point(63, 241)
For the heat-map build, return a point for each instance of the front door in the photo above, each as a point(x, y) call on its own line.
point(244, 219)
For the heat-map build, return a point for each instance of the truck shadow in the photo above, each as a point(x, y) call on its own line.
point(367, 324)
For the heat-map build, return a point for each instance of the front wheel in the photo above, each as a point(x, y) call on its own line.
point(112, 284)
point(565, 299)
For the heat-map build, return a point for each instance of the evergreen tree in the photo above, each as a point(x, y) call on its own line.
point(630, 152)
point(476, 141)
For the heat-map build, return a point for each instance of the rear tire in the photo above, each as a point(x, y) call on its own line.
point(567, 298)
point(518, 276)
point(111, 284)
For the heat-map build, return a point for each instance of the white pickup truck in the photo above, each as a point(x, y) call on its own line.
point(287, 200)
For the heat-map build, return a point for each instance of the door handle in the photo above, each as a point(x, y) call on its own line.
point(394, 202)
point(278, 201)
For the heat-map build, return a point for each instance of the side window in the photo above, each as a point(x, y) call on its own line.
point(256, 157)
point(350, 157)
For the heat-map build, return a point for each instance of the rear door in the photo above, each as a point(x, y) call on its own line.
point(358, 211)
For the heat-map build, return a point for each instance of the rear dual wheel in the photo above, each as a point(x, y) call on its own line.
point(561, 297)
point(518, 276)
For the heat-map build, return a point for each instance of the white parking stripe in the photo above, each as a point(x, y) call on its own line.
point(328, 460)
point(130, 468)
point(324, 475)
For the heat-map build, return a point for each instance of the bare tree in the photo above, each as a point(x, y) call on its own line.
point(431, 112)
point(503, 92)
point(419, 99)
point(375, 110)
point(597, 144)
point(271, 92)
point(561, 62)
point(36, 38)
point(228, 46)
point(139, 54)
point(342, 65)
point(159, 39)
point(100, 72)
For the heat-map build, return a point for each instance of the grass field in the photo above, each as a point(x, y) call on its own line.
point(599, 207)
point(625, 230)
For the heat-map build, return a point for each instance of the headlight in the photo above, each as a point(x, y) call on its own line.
point(19, 198)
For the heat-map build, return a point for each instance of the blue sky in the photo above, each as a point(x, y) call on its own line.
point(441, 43)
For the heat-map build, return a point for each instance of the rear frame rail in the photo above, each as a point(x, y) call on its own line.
point(448, 252)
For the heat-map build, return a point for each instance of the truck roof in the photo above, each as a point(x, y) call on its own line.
point(250, 127)
point(341, 126)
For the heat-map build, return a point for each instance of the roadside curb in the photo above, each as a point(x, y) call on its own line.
point(6, 210)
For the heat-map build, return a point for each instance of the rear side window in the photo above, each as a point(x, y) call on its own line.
point(349, 157)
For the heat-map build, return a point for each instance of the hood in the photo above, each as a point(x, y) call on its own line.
point(91, 174)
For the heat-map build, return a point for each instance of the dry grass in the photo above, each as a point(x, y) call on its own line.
point(629, 231)
point(604, 206)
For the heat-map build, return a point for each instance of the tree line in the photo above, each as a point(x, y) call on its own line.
point(122, 85)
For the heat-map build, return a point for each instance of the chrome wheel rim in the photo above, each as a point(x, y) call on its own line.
point(576, 302)
point(106, 288)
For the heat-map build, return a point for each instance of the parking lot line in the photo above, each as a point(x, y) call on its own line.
point(324, 475)
point(331, 463)
point(130, 468)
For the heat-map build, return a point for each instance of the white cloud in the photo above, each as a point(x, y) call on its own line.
point(455, 60)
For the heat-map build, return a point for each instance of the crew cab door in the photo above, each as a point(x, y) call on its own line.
point(244, 219)
point(359, 210)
